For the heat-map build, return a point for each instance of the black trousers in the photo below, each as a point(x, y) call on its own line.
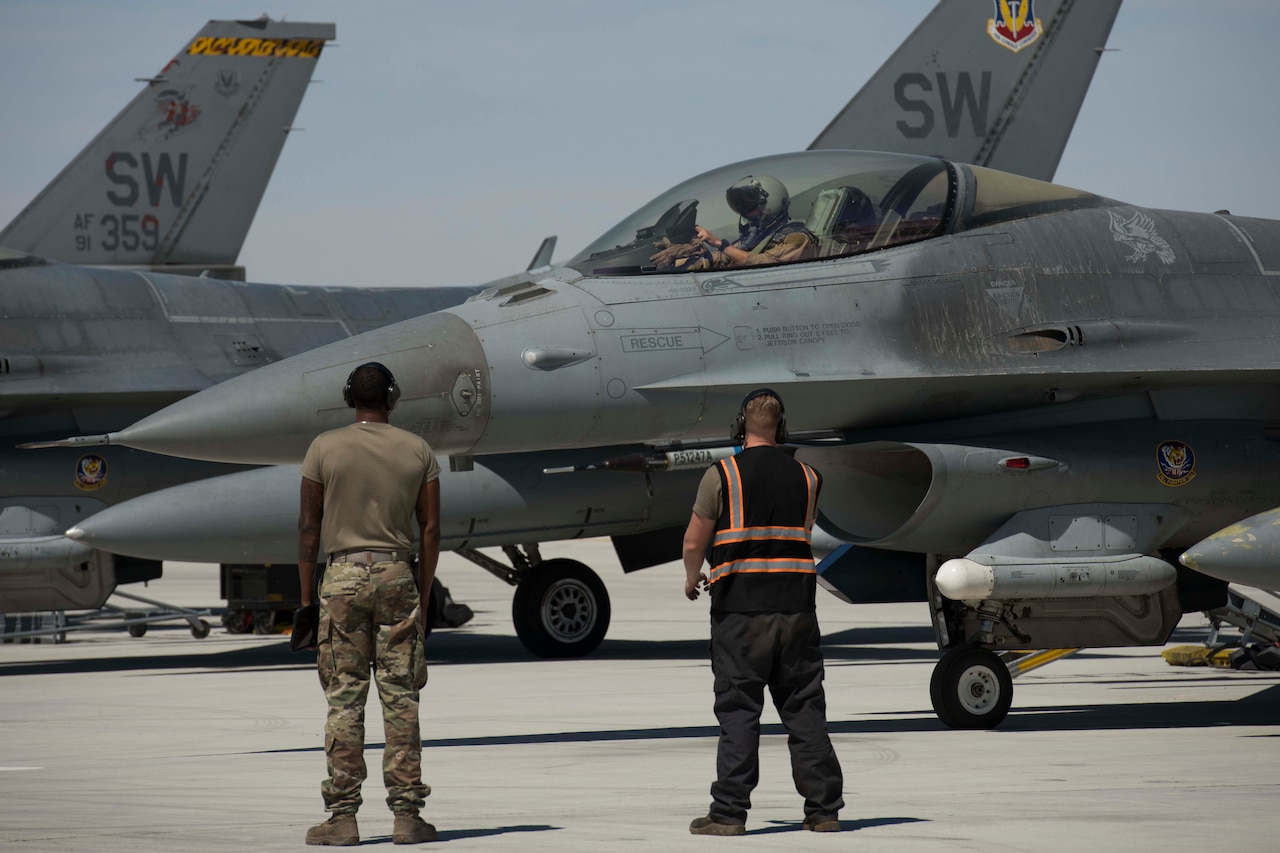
point(782, 651)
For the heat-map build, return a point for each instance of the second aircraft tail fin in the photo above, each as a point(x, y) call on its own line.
point(174, 181)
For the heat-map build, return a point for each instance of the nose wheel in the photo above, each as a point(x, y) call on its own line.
point(971, 688)
point(560, 609)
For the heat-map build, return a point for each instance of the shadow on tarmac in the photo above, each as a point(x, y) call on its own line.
point(462, 646)
point(845, 825)
point(271, 657)
point(460, 834)
point(1258, 709)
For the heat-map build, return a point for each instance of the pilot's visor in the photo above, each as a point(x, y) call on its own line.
point(746, 201)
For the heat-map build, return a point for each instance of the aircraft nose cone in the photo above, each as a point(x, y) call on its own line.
point(1244, 553)
point(271, 414)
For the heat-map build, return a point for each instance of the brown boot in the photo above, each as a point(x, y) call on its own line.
point(822, 823)
point(338, 831)
point(710, 826)
point(411, 829)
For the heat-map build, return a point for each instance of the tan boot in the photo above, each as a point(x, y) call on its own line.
point(338, 831)
point(411, 829)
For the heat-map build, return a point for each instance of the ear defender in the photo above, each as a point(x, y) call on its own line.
point(393, 387)
point(738, 429)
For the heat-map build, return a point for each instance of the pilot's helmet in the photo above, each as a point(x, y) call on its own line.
point(764, 193)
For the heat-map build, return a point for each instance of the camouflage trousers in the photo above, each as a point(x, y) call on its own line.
point(369, 625)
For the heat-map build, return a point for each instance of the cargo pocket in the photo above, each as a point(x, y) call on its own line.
point(401, 654)
point(326, 665)
point(418, 655)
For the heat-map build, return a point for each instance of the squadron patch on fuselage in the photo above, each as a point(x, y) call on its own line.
point(1015, 25)
point(1177, 463)
point(91, 472)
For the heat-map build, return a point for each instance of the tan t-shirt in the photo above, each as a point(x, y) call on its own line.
point(709, 502)
point(371, 474)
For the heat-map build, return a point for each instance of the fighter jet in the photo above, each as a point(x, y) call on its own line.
point(1043, 394)
point(508, 500)
point(170, 186)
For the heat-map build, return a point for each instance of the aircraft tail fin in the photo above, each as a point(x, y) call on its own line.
point(174, 181)
point(995, 84)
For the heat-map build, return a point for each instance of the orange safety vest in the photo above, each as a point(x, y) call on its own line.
point(762, 538)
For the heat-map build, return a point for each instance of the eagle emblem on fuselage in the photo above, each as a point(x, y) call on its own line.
point(1138, 232)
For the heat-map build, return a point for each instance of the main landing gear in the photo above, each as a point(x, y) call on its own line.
point(561, 607)
point(972, 687)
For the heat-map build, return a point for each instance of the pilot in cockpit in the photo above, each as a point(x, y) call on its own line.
point(766, 233)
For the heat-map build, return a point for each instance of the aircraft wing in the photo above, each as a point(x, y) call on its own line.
point(175, 179)
point(977, 84)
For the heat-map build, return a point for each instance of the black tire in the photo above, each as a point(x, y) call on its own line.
point(935, 697)
point(139, 630)
point(560, 609)
point(971, 688)
point(200, 630)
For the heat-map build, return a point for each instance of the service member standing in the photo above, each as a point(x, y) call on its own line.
point(755, 511)
point(369, 490)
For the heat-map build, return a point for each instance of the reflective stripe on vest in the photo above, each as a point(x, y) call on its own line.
point(757, 565)
point(747, 534)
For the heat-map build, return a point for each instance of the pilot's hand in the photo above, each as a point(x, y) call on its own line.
point(692, 586)
point(706, 236)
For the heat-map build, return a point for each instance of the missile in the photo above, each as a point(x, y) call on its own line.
point(1247, 552)
point(967, 579)
point(690, 455)
point(645, 462)
point(252, 516)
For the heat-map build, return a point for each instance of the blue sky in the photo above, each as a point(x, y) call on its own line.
point(447, 138)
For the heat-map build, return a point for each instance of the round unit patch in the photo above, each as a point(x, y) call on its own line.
point(1177, 463)
point(91, 472)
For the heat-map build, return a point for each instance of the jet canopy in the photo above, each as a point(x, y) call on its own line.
point(814, 205)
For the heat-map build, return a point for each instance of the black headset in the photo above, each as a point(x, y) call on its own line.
point(738, 429)
point(393, 388)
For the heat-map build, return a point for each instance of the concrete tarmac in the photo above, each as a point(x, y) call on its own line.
point(166, 743)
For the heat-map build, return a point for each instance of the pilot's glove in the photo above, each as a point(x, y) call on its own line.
point(669, 253)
